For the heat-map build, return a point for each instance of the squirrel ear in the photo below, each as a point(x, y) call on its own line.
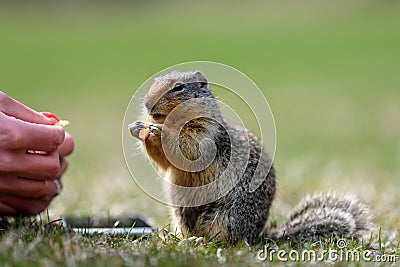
point(201, 79)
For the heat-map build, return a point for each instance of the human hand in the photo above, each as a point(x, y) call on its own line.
point(28, 181)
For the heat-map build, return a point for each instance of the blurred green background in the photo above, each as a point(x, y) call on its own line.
point(329, 69)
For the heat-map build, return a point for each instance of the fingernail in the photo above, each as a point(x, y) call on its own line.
point(50, 115)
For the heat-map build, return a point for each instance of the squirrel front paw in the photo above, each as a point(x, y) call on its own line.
point(155, 129)
point(136, 128)
point(143, 130)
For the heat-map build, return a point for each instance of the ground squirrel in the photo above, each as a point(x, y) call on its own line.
point(241, 213)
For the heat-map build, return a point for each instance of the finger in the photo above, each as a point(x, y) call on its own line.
point(35, 166)
point(67, 146)
point(13, 108)
point(38, 166)
point(24, 187)
point(36, 136)
point(6, 210)
point(26, 206)
point(63, 168)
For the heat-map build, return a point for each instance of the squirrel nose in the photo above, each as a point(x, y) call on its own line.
point(149, 104)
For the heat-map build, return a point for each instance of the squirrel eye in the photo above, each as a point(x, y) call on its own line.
point(178, 87)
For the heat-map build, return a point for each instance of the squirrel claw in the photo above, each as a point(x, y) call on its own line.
point(154, 129)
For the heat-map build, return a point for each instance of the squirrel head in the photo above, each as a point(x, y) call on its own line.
point(168, 91)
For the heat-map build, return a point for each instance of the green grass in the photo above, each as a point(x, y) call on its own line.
point(328, 70)
point(35, 243)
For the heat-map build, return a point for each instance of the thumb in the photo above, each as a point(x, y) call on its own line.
point(12, 107)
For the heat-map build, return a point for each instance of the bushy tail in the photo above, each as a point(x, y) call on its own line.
point(323, 216)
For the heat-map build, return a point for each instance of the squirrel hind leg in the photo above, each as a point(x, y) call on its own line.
point(324, 216)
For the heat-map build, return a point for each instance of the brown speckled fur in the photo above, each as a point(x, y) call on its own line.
point(242, 213)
